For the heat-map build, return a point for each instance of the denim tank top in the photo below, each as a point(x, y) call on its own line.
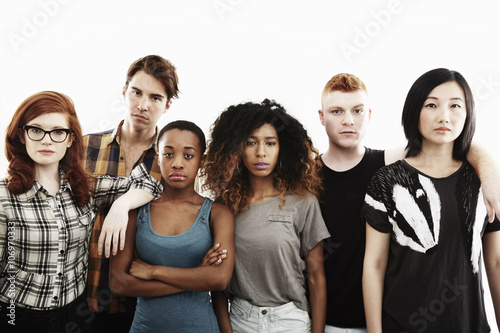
point(186, 311)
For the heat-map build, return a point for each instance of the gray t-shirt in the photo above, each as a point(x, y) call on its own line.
point(271, 250)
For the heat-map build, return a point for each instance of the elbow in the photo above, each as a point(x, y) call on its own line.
point(220, 282)
point(118, 284)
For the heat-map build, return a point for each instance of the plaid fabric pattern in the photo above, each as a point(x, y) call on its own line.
point(44, 239)
point(105, 157)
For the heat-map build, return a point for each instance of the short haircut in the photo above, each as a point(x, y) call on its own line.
point(184, 125)
point(343, 82)
point(415, 100)
point(161, 69)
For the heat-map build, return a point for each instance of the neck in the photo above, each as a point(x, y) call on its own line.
point(435, 160)
point(48, 177)
point(262, 188)
point(179, 195)
point(342, 159)
point(129, 134)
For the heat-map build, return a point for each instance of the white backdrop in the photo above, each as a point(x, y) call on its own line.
point(231, 51)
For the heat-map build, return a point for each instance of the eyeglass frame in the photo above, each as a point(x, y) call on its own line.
point(65, 130)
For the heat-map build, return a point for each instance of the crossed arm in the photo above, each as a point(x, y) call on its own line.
point(136, 278)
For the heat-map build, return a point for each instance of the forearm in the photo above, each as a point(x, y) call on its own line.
point(134, 198)
point(373, 288)
point(202, 278)
point(220, 304)
point(124, 284)
point(317, 288)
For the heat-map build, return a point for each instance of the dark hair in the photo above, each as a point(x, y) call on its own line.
point(161, 69)
point(185, 125)
point(21, 166)
point(415, 99)
point(226, 176)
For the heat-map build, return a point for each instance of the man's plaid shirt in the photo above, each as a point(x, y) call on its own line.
point(105, 157)
point(44, 239)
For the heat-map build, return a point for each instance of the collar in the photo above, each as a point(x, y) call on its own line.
point(37, 187)
point(116, 136)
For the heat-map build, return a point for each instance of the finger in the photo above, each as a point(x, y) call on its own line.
point(107, 245)
point(116, 236)
point(122, 240)
point(100, 242)
point(491, 212)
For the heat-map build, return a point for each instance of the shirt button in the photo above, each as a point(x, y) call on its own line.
point(56, 298)
point(264, 312)
point(61, 252)
point(58, 274)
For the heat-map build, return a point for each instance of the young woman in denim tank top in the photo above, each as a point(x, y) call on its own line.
point(174, 272)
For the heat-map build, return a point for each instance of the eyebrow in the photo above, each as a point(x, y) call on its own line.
point(41, 127)
point(155, 95)
point(451, 99)
point(185, 147)
point(267, 137)
point(339, 107)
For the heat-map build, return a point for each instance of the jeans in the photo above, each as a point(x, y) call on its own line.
point(287, 318)
point(73, 317)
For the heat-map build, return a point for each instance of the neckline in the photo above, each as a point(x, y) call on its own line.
point(409, 166)
point(200, 212)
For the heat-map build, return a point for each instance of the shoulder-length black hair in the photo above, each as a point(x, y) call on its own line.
point(415, 99)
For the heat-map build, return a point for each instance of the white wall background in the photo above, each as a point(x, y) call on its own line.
point(230, 51)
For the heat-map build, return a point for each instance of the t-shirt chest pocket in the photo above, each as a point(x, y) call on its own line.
point(280, 223)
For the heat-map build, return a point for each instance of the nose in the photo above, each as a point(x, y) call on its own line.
point(46, 139)
point(347, 119)
point(143, 104)
point(261, 150)
point(177, 162)
point(444, 115)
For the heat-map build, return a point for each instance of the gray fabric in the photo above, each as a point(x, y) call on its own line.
point(271, 250)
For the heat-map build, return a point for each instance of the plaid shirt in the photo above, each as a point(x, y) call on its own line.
point(105, 157)
point(44, 239)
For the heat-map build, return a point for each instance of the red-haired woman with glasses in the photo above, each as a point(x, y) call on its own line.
point(47, 209)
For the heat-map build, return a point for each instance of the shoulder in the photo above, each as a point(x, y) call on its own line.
point(220, 211)
point(306, 200)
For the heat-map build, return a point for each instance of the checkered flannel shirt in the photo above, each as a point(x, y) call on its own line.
point(44, 239)
point(105, 157)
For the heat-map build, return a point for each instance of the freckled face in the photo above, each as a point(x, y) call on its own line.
point(47, 152)
point(345, 116)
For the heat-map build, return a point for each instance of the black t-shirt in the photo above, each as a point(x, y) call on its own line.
point(433, 279)
point(341, 203)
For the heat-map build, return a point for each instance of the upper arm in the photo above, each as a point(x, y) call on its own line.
point(377, 248)
point(394, 154)
point(315, 264)
point(222, 225)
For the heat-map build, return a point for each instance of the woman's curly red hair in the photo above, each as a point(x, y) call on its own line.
point(22, 168)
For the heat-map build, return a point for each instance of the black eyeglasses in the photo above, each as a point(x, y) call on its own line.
point(37, 134)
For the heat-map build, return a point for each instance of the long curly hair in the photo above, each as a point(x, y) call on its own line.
point(21, 169)
point(226, 177)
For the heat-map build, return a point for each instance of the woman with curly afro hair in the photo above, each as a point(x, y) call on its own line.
point(262, 165)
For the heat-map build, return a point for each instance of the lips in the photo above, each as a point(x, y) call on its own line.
point(137, 116)
point(46, 152)
point(177, 176)
point(261, 165)
point(442, 130)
